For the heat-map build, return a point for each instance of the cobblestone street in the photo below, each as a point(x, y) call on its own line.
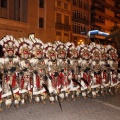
point(102, 108)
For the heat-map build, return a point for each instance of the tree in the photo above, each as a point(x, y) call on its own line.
point(115, 36)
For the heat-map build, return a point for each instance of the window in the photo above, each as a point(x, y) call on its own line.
point(66, 37)
point(84, 16)
point(41, 22)
point(79, 30)
point(58, 17)
point(41, 3)
point(74, 28)
point(58, 33)
point(66, 19)
point(74, 2)
point(80, 3)
point(65, 5)
point(85, 6)
point(58, 3)
point(77, 13)
point(81, 15)
point(84, 29)
point(73, 13)
point(4, 3)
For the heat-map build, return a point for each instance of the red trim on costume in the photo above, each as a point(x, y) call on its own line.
point(61, 78)
point(86, 77)
point(7, 78)
point(98, 79)
point(17, 93)
point(13, 80)
point(22, 83)
point(37, 81)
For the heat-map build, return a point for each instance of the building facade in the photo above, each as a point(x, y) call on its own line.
point(22, 18)
point(64, 20)
point(48, 20)
point(80, 20)
point(105, 14)
point(13, 17)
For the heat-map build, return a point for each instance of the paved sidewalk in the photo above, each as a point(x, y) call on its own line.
point(90, 109)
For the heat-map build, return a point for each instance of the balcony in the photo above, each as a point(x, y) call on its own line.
point(97, 12)
point(117, 5)
point(94, 20)
point(98, 8)
point(80, 20)
point(95, 27)
point(113, 8)
point(117, 16)
point(62, 26)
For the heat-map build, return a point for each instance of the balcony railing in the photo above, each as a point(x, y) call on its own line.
point(108, 5)
point(80, 20)
point(115, 19)
point(98, 8)
point(118, 17)
point(62, 26)
point(98, 21)
point(117, 5)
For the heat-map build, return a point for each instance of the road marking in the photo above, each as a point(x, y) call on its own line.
point(108, 104)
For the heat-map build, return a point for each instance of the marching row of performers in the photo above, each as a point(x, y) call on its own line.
point(31, 70)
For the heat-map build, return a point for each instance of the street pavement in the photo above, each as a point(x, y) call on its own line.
point(102, 108)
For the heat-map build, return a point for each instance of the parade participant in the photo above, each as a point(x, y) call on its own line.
point(104, 71)
point(113, 63)
point(85, 70)
point(119, 70)
point(1, 75)
point(53, 70)
point(96, 79)
point(38, 63)
point(1, 80)
point(25, 74)
point(74, 71)
point(63, 74)
point(1, 99)
point(10, 72)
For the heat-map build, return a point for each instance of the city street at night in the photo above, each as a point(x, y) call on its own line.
point(59, 59)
